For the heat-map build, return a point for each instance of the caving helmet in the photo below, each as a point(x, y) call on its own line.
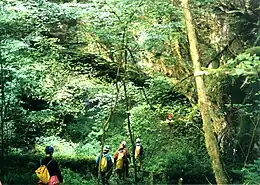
point(49, 150)
point(106, 148)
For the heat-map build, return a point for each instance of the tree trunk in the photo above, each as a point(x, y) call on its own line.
point(128, 118)
point(151, 178)
point(2, 118)
point(204, 103)
point(105, 127)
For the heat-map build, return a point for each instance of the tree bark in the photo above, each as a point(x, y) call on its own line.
point(204, 103)
point(2, 117)
point(128, 118)
point(105, 126)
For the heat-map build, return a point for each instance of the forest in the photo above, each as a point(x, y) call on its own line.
point(181, 77)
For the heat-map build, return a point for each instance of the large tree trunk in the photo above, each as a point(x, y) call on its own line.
point(2, 121)
point(204, 103)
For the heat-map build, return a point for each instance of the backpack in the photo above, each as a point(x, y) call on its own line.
point(43, 173)
point(103, 163)
point(54, 180)
point(137, 151)
point(120, 160)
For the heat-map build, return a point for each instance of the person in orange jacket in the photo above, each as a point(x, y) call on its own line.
point(122, 168)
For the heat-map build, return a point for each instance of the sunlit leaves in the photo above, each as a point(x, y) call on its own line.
point(33, 67)
point(245, 64)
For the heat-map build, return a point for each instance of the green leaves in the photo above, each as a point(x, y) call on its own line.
point(251, 173)
point(244, 65)
point(33, 70)
point(239, 71)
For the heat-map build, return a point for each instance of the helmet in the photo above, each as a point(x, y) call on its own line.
point(138, 140)
point(106, 148)
point(49, 150)
point(123, 143)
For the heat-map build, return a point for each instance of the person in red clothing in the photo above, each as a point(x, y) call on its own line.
point(52, 166)
point(121, 160)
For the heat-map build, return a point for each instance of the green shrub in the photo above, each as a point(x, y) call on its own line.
point(20, 177)
point(24, 177)
point(20, 169)
point(80, 164)
point(71, 177)
point(252, 173)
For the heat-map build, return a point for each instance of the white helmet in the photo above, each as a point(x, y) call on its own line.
point(138, 140)
point(123, 143)
point(106, 148)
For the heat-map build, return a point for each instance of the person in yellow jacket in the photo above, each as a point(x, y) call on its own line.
point(122, 156)
point(104, 164)
point(139, 154)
